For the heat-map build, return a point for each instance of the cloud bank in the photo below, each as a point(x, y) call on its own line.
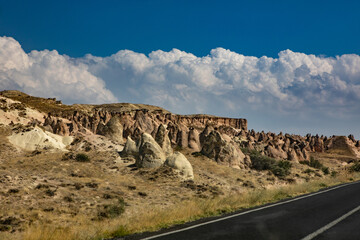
point(294, 85)
point(46, 73)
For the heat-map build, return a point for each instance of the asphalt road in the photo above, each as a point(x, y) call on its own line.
point(330, 214)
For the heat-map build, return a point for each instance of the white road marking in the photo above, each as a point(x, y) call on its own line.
point(330, 225)
point(243, 213)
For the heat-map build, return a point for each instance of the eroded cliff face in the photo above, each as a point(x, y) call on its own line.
point(183, 130)
point(124, 120)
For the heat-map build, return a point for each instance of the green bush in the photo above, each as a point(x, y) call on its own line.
point(196, 154)
point(309, 170)
point(278, 168)
point(245, 150)
point(112, 210)
point(355, 167)
point(305, 162)
point(325, 170)
point(81, 157)
point(314, 163)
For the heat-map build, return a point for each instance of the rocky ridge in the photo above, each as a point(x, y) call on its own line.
point(221, 139)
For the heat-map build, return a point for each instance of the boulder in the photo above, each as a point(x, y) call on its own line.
point(113, 130)
point(180, 163)
point(222, 152)
point(151, 154)
point(130, 148)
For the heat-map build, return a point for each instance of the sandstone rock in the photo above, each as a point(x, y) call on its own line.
point(151, 154)
point(247, 160)
point(163, 140)
point(194, 140)
point(113, 130)
point(130, 148)
point(182, 137)
point(352, 138)
point(61, 128)
point(318, 144)
point(275, 153)
point(341, 145)
point(292, 156)
point(38, 139)
point(222, 152)
point(179, 162)
point(208, 129)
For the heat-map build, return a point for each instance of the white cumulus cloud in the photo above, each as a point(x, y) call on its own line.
point(49, 74)
point(182, 82)
point(291, 86)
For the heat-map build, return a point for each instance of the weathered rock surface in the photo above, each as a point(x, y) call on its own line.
point(194, 140)
point(163, 140)
point(151, 154)
point(38, 139)
point(180, 163)
point(215, 147)
point(130, 148)
point(113, 129)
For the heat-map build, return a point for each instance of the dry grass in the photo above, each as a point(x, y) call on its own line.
point(152, 219)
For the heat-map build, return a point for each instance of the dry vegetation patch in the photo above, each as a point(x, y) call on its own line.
point(96, 194)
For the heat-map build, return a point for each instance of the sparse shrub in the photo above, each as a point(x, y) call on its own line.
point(281, 168)
point(50, 193)
point(68, 199)
point(112, 210)
point(334, 173)
point(177, 148)
point(305, 162)
point(355, 167)
point(92, 184)
point(278, 168)
point(259, 162)
point(67, 156)
point(245, 150)
point(88, 148)
point(78, 186)
point(13, 190)
point(308, 171)
point(325, 170)
point(196, 154)
point(81, 157)
point(315, 163)
point(142, 194)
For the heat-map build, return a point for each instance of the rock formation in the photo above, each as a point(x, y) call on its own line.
point(113, 129)
point(215, 147)
point(180, 163)
point(151, 154)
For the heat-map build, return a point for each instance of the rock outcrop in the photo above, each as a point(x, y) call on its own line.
point(216, 148)
point(130, 149)
point(162, 138)
point(180, 163)
point(113, 129)
point(151, 154)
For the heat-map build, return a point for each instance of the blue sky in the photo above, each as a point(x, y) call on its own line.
point(193, 56)
point(254, 28)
